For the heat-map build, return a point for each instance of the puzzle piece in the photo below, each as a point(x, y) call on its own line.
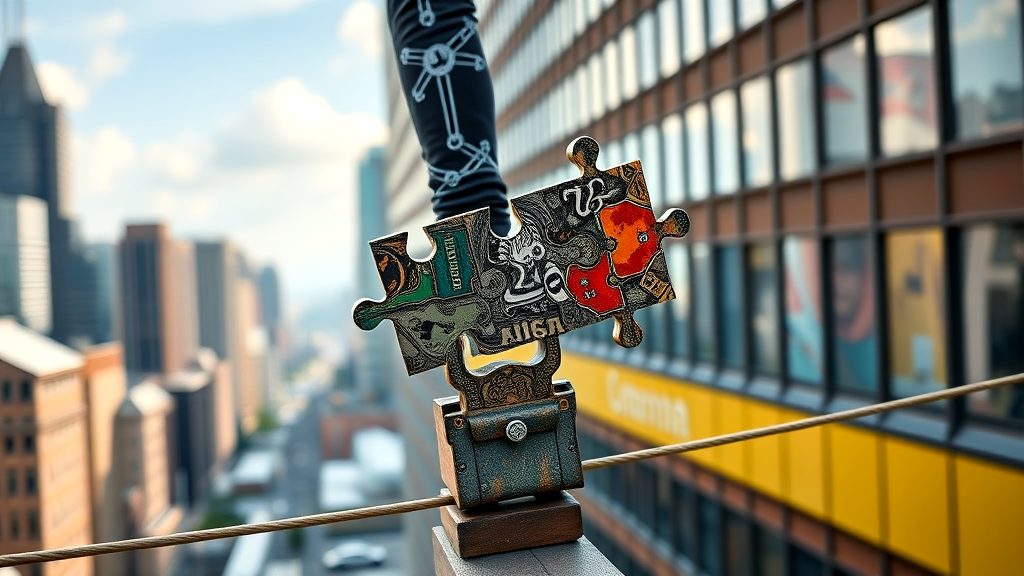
point(587, 250)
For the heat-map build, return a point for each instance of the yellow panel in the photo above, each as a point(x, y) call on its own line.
point(855, 481)
point(730, 413)
point(765, 453)
point(805, 469)
point(918, 502)
point(991, 513)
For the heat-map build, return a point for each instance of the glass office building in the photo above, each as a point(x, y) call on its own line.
point(854, 173)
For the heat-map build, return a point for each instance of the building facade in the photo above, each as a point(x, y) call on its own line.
point(855, 179)
point(44, 467)
point(25, 262)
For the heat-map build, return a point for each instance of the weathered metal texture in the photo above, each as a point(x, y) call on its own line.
point(587, 249)
point(577, 558)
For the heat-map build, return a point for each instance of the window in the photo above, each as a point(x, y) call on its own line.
point(9, 444)
point(33, 524)
point(755, 101)
point(29, 443)
point(663, 509)
point(854, 336)
point(992, 263)
point(628, 65)
point(650, 141)
point(764, 315)
point(844, 96)
point(647, 36)
point(612, 76)
point(5, 391)
point(675, 169)
point(30, 481)
point(986, 66)
point(693, 30)
point(710, 531)
point(630, 147)
point(723, 134)
point(719, 22)
point(704, 314)
point(15, 531)
point(12, 482)
point(678, 256)
point(684, 526)
point(803, 309)
point(26, 390)
point(769, 552)
point(906, 97)
point(668, 35)
point(796, 120)
point(613, 156)
point(730, 306)
point(737, 545)
point(917, 334)
point(697, 151)
point(750, 12)
point(596, 88)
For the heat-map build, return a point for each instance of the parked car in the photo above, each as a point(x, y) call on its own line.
point(354, 554)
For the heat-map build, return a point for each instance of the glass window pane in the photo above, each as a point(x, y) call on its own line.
point(597, 87)
point(757, 132)
point(723, 125)
point(796, 120)
point(693, 30)
point(697, 151)
point(986, 66)
point(769, 552)
point(803, 309)
point(730, 306)
point(751, 12)
point(993, 304)
point(709, 522)
point(672, 146)
point(668, 36)
point(854, 336)
point(781, 3)
point(646, 32)
point(704, 317)
point(764, 315)
point(628, 64)
point(612, 75)
point(678, 256)
point(844, 96)
point(917, 331)
point(630, 148)
point(907, 87)
point(651, 158)
point(611, 155)
point(685, 521)
point(737, 545)
point(719, 22)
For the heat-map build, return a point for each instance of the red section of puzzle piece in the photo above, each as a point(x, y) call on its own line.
point(633, 228)
point(591, 289)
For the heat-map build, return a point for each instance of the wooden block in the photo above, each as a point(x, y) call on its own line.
point(577, 558)
point(514, 525)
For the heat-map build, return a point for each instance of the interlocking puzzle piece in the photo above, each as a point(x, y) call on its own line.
point(587, 250)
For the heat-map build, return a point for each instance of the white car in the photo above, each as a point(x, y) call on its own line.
point(354, 554)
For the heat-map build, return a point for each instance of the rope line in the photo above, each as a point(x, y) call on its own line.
point(445, 500)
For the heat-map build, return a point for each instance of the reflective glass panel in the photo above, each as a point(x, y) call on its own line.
point(630, 148)
point(596, 87)
point(757, 132)
point(803, 309)
point(917, 331)
point(992, 260)
point(906, 83)
point(697, 160)
point(723, 126)
point(672, 146)
point(668, 35)
point(844, 97)
point(678, 257)
point(703, 313)
point(986, 65)
point(854, 335)
point(612, 76)
point(651, 160)
point(628, 65)
point(693, 30)
point(730, 305)
point(764, 316)
point(751, 12)
point(719, 22)
point(796, 120)
point(647, 38)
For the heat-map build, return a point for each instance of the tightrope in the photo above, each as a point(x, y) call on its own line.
point(445, 500)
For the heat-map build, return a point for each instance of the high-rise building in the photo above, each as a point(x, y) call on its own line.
point(25, 262)
point(251, 350)
point(193, 438)
point(854, 174)
point(270, 304)
point(44, 431)
point(103, 258)
point(159, 316)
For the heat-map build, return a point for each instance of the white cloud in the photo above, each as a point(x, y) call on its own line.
point(101, 160)
point(180, 161)
point(362, 25)
point(990, 21)
point(112, 23)
point(108, 61)
point(62, 86)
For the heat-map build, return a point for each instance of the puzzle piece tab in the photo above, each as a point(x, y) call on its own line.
point(587, 250)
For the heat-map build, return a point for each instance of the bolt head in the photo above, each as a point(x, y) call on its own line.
point(516, 430)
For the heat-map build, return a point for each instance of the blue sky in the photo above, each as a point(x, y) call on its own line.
point(236, 118)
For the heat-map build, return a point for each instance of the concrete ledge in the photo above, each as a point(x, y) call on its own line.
point(579, 558)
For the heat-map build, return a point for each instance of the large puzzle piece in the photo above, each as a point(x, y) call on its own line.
point(587, 250)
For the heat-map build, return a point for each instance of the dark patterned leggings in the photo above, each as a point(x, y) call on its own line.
point(447, 86)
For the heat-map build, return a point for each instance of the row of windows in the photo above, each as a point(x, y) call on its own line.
point(7, 391)
point(14, 526)
point(701, 535)
point(30, 485)
point(28, 444)
point(729, 143)
point(881, 318)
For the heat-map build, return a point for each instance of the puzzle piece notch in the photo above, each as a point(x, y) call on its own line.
point(504, 382)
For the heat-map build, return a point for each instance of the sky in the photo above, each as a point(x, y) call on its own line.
point(242, 119)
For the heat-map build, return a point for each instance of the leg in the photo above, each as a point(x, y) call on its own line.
point(448, 90)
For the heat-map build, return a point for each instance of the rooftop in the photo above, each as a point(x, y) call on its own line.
point(31, 352)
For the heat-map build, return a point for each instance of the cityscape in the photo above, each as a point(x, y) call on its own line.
point(185, 213)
